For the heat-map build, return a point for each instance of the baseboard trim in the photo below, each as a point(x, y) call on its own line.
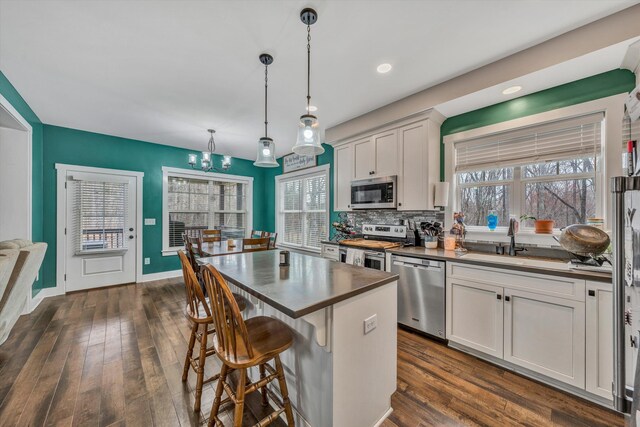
point(384, 417)
point(40, 296)
point(161, 275)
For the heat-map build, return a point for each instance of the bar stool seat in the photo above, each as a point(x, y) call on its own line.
point(268, 337)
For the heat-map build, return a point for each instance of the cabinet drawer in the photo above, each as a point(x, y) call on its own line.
point(563, 287)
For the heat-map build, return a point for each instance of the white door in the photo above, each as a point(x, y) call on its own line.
point(599, 336)
point(545, 334)
point(474, 316)
point(101, 230)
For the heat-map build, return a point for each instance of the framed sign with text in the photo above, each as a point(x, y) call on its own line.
point(293, 162)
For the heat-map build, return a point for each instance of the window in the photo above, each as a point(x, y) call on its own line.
point(303, 208)
point(198, 201)
point(547, 171)
point(100, 215)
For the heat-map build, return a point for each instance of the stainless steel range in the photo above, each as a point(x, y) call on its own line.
point(377, 238)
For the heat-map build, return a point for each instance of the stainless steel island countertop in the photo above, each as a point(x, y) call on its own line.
point(309, 283)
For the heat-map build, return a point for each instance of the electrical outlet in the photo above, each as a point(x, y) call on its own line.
point(370, 323)
point(147, 261)
point(149, 221)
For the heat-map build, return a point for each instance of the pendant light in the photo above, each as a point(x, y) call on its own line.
point(266, 157)
point(308, 141)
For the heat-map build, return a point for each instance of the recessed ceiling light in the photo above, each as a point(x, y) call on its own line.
point(313, 108)
point(384, 68)
point(512, 89)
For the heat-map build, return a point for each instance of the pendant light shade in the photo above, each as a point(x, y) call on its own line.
point(308, 141)
point(266, 156)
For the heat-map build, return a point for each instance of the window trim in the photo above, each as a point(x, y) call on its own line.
point(325, 169)
point(609, 163)
point(191, 174)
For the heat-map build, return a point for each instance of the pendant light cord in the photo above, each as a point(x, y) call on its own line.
point(266, 79)
point(308, 67)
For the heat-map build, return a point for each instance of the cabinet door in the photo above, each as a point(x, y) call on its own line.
point(364, 154)
point(546, 335)
point(386, 146)
point(412, 174)
point(343, 175)
point(475, 316)
point(599, 336)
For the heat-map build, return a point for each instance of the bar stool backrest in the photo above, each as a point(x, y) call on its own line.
point(233, 338)
point(211, 236)
point(195, 296)
point(254, 245)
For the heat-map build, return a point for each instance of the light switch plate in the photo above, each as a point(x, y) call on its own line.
point(147, 261)
point(149, 221)
point(370, 323)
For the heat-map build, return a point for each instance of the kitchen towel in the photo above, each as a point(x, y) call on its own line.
point(355, 257)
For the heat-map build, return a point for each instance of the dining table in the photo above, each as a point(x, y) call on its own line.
point(222, 247)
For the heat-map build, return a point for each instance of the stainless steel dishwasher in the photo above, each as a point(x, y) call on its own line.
point(421, 294)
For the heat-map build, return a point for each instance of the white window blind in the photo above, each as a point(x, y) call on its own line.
point(304, 219)
point(100, 215)
point(630, 130)
point(196, 204)
point(569, 138)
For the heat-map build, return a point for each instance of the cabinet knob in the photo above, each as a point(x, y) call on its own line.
point(592, 293)
point(507, 298)
point(499, 296)
point(399, 204)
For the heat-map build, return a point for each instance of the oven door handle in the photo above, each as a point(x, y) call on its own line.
point(374, 254)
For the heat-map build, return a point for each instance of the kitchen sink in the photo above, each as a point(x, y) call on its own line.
point(525, 262)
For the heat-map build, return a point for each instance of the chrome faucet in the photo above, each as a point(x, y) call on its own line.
point(513, 250)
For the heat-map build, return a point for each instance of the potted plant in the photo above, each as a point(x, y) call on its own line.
point(541, 226)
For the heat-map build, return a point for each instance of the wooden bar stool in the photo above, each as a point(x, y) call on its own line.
point(241, 345)
point(199, 315)
point(272, 238)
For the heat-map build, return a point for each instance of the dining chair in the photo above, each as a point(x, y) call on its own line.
point(194, 250)
point(255, 234)
point(272, 238)
point(241, 345)
point(214, 235)
point(198, 312)
point(254, 245)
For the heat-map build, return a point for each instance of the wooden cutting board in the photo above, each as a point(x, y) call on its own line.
point(372, 244)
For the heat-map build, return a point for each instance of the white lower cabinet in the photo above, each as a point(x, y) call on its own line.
point(545, 334)
point(522, 319)
point(475, 316)
point(599, 337)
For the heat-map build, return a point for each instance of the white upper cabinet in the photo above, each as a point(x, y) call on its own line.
point(409, 150)
point(364, 154)
point(343, 175)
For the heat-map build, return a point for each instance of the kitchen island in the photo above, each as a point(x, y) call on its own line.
point(341, 370)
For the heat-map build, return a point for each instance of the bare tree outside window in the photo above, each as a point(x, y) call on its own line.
point(482, 191)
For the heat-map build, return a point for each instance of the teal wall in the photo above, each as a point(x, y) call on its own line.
point(270, 188)
point(69, 146)
point(599, 86)
point(11, 94)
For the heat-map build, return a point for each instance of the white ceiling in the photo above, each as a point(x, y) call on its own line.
point(165, 71)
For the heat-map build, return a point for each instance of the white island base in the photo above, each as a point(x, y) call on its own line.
point(336, 374)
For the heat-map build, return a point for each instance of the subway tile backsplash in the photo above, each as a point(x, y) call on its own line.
point(386, 216)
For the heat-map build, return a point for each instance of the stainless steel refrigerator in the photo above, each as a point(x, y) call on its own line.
point(626, 295)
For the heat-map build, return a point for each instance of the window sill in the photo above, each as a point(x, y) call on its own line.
point(526, 237)
point(299, 249)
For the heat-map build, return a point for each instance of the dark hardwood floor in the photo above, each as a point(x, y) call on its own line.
point(113, 357)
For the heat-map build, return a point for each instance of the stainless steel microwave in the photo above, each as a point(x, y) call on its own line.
point(374, 193)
